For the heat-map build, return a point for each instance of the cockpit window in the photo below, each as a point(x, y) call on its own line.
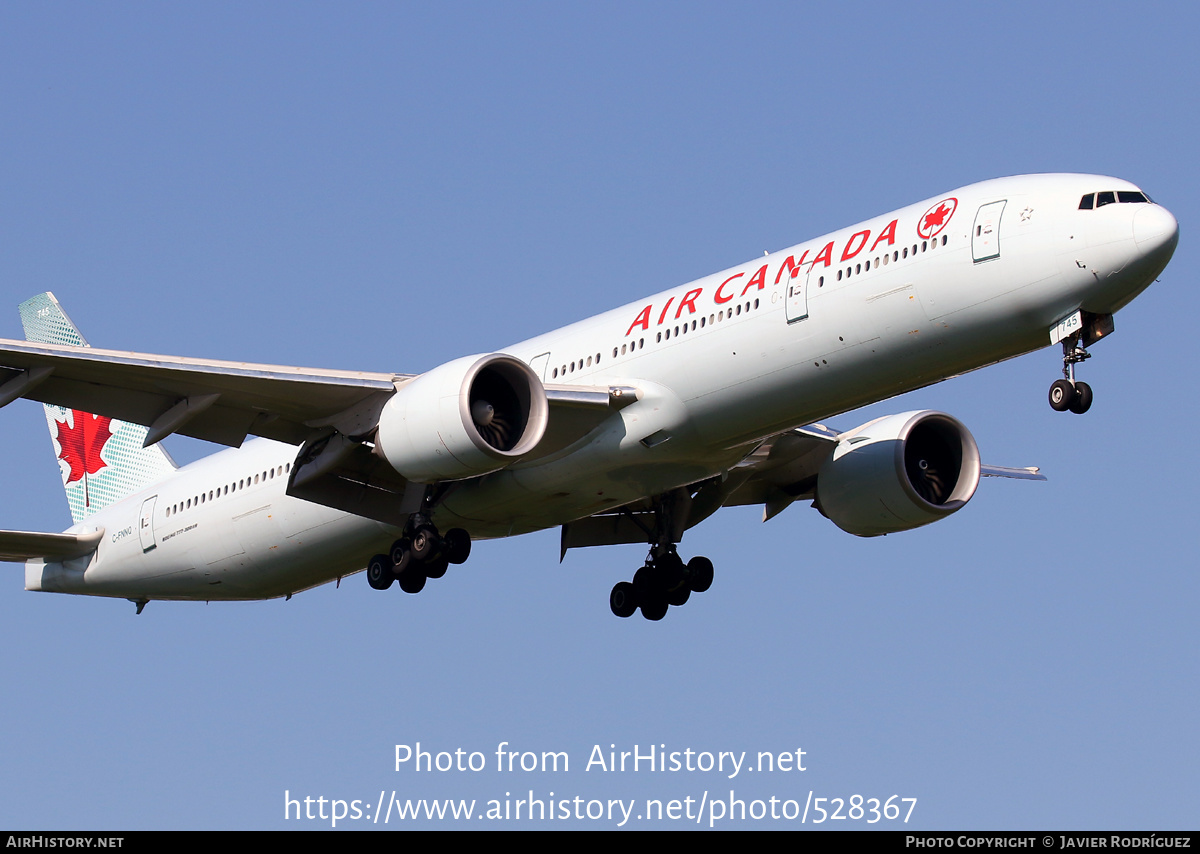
point(1112, 197)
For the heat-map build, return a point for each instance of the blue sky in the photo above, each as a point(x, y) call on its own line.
point(388, 187)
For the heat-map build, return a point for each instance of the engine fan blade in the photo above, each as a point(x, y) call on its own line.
point(928, 483)
point(493, 426)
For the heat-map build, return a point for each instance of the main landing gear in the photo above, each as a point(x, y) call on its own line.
point(1069, 393)
point(664, 581)
point(417, 556)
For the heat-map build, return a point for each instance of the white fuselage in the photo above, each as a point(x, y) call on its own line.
point(900, 301)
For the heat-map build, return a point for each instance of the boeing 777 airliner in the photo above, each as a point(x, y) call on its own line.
point(631, 426)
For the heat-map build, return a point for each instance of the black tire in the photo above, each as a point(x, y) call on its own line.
point(655, 610)
point(699, 574)
point(401, 555)
point(379, 572)
point(679, 595)
point(623, 599)
point(426, 544)
point(1082, 401)
point(646, 583)
point(669, 569)
point(436, 568)
point(1061, 395)
point(413, 580)
point(650, 592)
point(457, 545)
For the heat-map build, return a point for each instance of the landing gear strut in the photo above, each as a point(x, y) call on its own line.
point(1069, 393)
point(422, 553)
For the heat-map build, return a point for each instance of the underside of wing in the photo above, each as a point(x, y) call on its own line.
point(930, 463)
point(775, 472)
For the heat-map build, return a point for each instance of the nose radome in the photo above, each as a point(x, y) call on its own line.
point(1154, 227)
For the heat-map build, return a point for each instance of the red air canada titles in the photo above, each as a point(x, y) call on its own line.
point(728, 289)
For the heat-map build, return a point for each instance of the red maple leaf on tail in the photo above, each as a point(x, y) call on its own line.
point(81, 445)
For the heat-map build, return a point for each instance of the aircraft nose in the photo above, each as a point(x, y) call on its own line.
point(1154, 228)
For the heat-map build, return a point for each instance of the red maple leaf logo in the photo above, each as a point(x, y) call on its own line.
point(81, 445)
point(936, 218)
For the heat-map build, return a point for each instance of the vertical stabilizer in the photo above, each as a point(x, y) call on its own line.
point(102, 460)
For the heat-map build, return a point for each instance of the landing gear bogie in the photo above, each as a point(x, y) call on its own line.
point(663, 582)
point(419, 555)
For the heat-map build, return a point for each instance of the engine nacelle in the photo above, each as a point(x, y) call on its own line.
point(465, 418)
point(898, 473)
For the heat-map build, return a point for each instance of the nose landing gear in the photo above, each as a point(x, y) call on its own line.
point(1077, 332)
point(1069, 393)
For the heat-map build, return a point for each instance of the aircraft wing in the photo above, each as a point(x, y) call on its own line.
point(220, 402)
point(224, 402)
point(775, 473)
point(784, 469)
point(18, 546)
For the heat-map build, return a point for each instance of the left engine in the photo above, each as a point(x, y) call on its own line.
point(465, 418)
point(897, 473)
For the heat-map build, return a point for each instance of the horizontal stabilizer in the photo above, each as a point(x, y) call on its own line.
point(18, 546)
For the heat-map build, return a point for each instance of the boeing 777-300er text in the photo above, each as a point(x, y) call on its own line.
point(629, 427)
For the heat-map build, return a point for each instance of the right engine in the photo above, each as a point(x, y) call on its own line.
point(465, 418)
point(898, 473)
